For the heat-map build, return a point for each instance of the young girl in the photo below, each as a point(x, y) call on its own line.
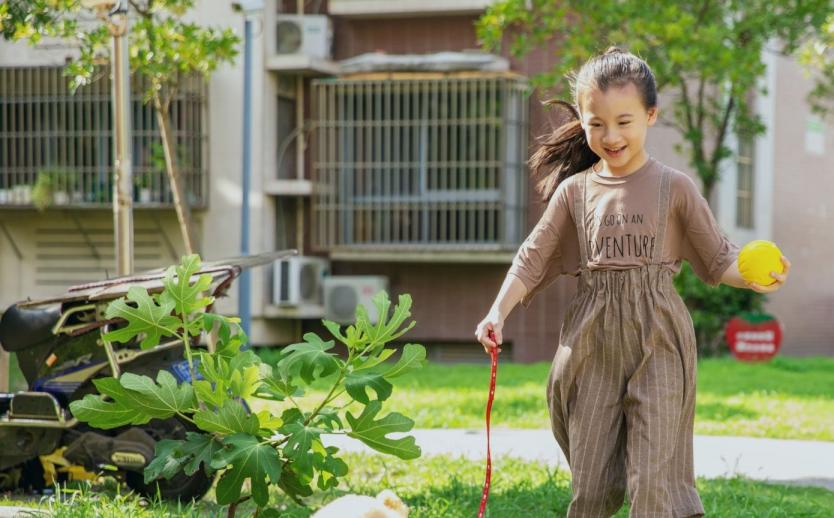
point(621, 389)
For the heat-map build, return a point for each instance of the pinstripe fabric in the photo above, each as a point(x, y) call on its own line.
point(621, 390)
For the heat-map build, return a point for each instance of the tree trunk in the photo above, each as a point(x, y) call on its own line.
point(180, 199)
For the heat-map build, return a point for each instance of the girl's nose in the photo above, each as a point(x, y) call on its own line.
point(610, 137)
point(610, 141)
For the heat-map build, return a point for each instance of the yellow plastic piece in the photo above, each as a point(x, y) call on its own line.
point(55, 463)
point(757, 259)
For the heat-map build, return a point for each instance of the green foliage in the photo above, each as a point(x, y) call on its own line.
point(135, 400)
point(162, 47)
point(708, 55)
point(817, 55)
point(144, 316)
point(372, 431)
point(711, 307)
point(283, 450)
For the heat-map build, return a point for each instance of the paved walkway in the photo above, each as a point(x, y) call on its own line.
point(809, 463)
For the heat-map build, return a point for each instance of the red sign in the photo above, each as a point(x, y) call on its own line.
point(755, 337)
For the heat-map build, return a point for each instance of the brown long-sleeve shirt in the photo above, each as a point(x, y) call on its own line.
point(621, 223)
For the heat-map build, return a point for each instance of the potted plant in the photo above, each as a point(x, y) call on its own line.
point(143, 183)
point(53, 186)
point(42, 191)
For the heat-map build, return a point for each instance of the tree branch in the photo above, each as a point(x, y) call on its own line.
point(687, 108)
point(144, 12)
point(700, 106)
point(703, 12)
point(728, 110)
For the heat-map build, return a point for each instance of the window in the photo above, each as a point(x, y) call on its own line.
point(50, 136)
point(745, 180)
point(431, 163)
point(286, 138)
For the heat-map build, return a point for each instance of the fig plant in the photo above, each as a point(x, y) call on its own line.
point(281, 447)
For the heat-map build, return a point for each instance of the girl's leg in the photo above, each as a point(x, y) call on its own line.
point(590, 429)
point(659, 411)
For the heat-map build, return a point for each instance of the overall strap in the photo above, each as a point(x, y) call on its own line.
point(662, 216)
point(579, 212)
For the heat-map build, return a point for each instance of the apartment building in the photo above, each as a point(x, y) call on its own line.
point(390, 151)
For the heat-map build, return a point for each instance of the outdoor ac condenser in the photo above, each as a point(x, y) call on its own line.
point(303, 35)
point(343, 293)
point(298, 280)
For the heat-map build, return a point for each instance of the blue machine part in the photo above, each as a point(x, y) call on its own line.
point(67, 381)
point(180, 370)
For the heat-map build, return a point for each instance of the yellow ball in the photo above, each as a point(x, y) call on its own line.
point(757, 259)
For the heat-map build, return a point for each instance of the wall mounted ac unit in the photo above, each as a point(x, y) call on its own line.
point(343, 293)
point(309, 35)
point(298, 280)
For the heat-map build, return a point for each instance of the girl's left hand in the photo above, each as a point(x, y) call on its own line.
point(780, 279)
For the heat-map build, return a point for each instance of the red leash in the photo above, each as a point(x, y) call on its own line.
point(493, 352)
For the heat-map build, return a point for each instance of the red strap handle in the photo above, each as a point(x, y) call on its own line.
point(493, 352)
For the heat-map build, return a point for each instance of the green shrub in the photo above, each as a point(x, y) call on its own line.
point(712, 307)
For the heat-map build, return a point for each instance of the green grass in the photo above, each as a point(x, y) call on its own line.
point(105, 500)
point(518, 489)
point(786, 398)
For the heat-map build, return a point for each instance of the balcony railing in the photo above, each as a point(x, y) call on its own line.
point(405, 7)
point(56, 147)
point(419, 164)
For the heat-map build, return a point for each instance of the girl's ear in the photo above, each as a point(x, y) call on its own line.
point(652, 115)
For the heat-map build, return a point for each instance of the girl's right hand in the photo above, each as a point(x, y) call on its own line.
point(492, 322)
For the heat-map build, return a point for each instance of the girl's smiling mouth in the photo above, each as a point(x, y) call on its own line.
point(614, 152)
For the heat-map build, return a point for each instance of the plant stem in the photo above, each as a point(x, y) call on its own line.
point(233, 506)
point(326, 399)
point(186, 418)
point(188, 356)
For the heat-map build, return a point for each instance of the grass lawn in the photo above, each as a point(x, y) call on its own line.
point(786, 398)
point(519, 489)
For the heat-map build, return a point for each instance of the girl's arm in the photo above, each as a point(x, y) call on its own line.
point(510, 294)
point(732, 277)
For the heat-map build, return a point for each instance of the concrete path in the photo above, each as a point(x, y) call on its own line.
point(808, 463)
point(20, 512)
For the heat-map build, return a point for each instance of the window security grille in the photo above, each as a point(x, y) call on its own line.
point(415, 163)
point(46, 131)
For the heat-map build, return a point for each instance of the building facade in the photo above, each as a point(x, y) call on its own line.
point(384, 145)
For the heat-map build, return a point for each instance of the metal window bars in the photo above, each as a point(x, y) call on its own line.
point(419, 162)
point(65, 139)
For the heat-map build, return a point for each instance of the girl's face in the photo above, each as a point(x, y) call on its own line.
point(615, 124)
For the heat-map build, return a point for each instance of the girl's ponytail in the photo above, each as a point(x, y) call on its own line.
point(563, 153)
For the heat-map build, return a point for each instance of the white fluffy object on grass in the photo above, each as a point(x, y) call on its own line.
point(385, 505)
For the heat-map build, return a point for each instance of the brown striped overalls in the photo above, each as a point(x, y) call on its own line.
point(621, 390)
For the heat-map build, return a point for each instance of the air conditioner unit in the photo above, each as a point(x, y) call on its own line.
point(307, 35)
point(343, 293)
point(298, 280)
